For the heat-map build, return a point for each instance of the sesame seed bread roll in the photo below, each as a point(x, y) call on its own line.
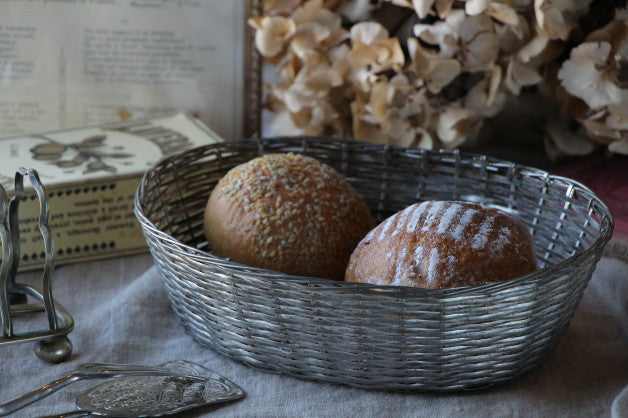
point(443, 244)
point(289, 213)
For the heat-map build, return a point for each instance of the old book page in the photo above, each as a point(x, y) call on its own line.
point(70, 63)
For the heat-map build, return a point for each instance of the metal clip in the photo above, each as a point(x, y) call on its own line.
point(53, 344)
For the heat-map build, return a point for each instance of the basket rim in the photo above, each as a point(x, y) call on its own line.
point(606, 225)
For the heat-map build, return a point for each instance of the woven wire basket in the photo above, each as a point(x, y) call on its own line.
point(377, 337)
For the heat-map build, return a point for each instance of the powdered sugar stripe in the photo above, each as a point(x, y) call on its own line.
point(465, 220)
point(434, 261)
point(448, 217)
point(416, 216)
point(502, 240)
point(418, 259)
point(401, 258)
point(432, 215)
point(370, 235)
point(402, 220)
point(481, 237)
point(386, 227)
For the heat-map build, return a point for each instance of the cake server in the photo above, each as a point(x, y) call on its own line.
point(138, 390)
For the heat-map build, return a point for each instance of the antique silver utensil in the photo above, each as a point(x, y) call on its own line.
point(138, 390)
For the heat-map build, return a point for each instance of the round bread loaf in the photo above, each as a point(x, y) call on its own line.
point(289, 213)
point(442, 244)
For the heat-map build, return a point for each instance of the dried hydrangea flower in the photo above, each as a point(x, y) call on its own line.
point(421, 7)
point(443, 33)
point(272, 34)
point(436, 71)
point(556, 18)
point(592, 76)
point(589, 74)
point(464, 61)
point(563, 138)
point(355, 10)
point(495, 9)
point(519, 75)
point(455, 124)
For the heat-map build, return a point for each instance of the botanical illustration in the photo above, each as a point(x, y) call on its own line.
point(88, 153)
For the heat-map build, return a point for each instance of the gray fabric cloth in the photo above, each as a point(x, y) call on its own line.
point(122, 315)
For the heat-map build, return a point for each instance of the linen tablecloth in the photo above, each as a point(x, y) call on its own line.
point(122, 315)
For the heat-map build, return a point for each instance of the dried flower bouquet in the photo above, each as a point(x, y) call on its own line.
point(427, 73)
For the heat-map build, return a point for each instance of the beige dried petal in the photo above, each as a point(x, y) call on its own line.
point(368, 32)
point(481, 52)
point(443, 7)
point(454, 125)
point(561, 139)
point(338, 56)
point(319, 78)
point(377, 56)
point(440, 72)
point(619, 147)
point(424, 139)
point(534, 48)
point(475, 7)
point(616, 33)
point(379, 103)
point(400, 132)
point(283, 125)
point(513, 38)
point(421, 7)
point(363, 130)
point(272, 34)
point(363, 78)
point(416, 109)
point(556, 18)
point(356, 10)
point(321, 116)
point(503, 13)
point(311, 86)
point(289, 67)
point(280, 7)
point(308, 39)
point(444, 34)
point(307, 12)
point(499, 11)
point(586, 75)
point(520, 75)
point(601, 132)
point(618, 116)
point(328, 18)
point(495, 79)
point(480, 45)
point(540, 50)
point(437, 72)
point(404, 134)
point(485, 98)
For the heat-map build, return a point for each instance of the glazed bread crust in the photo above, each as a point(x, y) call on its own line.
point(289, 213)
point(443, 244)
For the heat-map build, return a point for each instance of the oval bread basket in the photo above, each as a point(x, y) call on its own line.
point(377, 337)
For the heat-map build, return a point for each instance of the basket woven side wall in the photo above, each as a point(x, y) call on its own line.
point(372, 336)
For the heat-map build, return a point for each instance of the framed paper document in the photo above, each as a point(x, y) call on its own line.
point(73, 63)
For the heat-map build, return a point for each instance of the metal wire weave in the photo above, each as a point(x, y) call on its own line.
point(377, 337)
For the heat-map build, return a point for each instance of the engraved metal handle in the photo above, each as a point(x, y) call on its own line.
point(88, 371)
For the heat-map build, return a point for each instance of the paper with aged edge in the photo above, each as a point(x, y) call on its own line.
point(70, 63)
